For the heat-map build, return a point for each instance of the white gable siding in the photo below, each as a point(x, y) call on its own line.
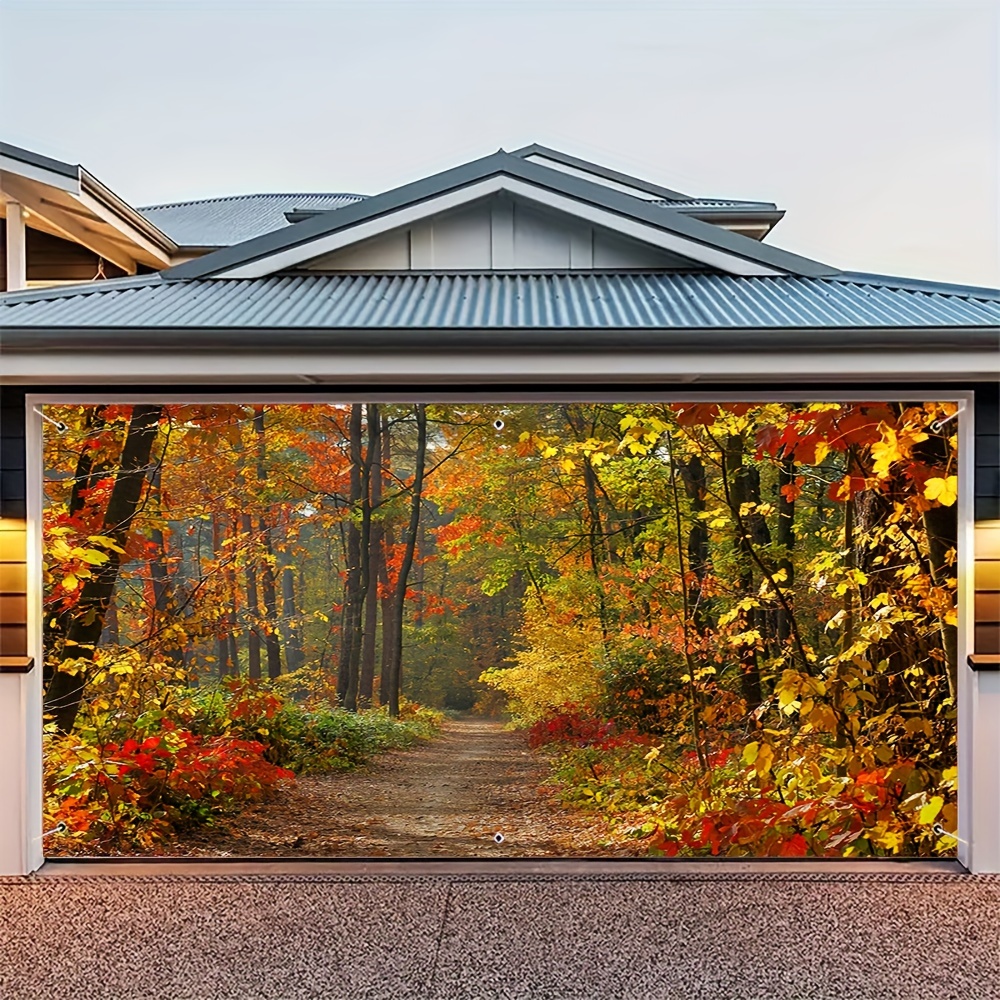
point(455, 240)
point(613, 251)
point(497, 234)
point(388, 252)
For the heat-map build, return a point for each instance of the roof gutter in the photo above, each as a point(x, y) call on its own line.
point(278, 340)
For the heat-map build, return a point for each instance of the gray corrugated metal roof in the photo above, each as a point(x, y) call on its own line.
point(691, 205)
point(221, 222)
point(568, 301)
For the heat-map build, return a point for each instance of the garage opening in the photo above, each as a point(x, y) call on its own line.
point(657, 628)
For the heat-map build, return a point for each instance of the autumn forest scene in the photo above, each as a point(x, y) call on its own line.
point(639, 629)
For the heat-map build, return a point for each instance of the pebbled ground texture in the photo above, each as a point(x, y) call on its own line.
point(769, 936)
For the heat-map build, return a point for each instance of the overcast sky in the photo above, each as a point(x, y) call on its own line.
point(874, 124)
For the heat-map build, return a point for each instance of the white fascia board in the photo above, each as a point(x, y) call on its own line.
point(712, 256)
point(593, 214)
point(40, 175)
point(125, 228)
point(474, 367)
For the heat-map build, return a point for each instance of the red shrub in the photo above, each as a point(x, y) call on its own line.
point(572, 727)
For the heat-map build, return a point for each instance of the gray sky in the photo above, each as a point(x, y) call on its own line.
point(874, 124)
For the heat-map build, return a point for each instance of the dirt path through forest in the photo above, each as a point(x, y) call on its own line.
point(445, 798)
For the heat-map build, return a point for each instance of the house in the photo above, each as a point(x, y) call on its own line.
point(520, 273)
point(61, 224)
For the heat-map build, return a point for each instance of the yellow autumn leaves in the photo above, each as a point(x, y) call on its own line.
point(76, 560)
point(760, 755)
point(944, 490)
point(893, 447)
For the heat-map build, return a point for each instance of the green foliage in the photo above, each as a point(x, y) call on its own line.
point(330, 739)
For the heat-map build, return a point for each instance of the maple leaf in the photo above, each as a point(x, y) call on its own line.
point(691, 414)
point(793, 490)
point(944, 490)
point(795, 847)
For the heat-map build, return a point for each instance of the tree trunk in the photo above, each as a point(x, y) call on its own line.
point(224, 625)
point(88, 472)
point(941, 525)
point(785, 537)
point(376, 558)
point(164, 601)
point(350, 640)
point(253, 604)
point(84, 632)
point(272, 641)
point(294, 657)
point(696, 486)
point(409, 541)
point(741, 490)
point(388, 603)
point(233, 648)
point(595, 527)
point(111, 634)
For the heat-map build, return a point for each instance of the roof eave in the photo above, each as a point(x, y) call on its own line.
point(70, 171)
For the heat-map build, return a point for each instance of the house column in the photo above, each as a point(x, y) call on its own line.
point(17, 260)
point(20, 654)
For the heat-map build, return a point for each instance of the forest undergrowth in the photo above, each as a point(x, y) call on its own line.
point(153, 760)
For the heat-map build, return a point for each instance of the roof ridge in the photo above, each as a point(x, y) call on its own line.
point(254, 253)
point(259, 194)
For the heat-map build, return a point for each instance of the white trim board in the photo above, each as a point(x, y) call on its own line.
point(477, 367)
point(19, 168)
point(978, 726)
